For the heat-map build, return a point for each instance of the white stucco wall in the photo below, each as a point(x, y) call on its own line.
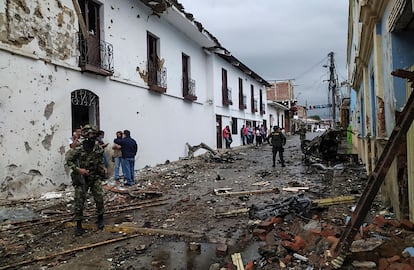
point(35, 95)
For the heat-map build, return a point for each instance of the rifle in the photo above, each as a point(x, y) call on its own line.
point(82, 180)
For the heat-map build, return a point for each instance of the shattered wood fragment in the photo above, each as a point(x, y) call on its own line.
point(262, 183)
point(233, 213)
point(333, 201)
point(237, 261)
point(236, 193)
point(218, 191)
point(193, 149)
point(295, 189)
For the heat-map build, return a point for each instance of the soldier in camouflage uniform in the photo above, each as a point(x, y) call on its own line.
point(277, 140)
point(86, 163)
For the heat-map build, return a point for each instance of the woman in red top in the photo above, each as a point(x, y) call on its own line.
point(227, 136)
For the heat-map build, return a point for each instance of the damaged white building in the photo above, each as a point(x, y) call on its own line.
point(146, 66)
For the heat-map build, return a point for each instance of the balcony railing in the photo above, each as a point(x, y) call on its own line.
point(189, 87)
point(243, 102)
point(262, 108)
point(227, 96)
point(157, 77)
point(96, 56)
point(254, 107)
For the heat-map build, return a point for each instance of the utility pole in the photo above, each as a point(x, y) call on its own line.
point(332, 87)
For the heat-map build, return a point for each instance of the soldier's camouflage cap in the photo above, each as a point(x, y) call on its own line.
point(87, 129)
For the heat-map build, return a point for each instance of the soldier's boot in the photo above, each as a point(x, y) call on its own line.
point(283, 163)
point(100, 222)
point(274, 163)
point(79, 230)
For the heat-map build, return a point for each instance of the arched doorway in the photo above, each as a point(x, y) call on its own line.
point(85, 108)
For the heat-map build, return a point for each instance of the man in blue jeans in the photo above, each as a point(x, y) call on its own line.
point(129, 149)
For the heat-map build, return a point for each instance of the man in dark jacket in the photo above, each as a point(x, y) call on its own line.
point(129, 149)
point(277, 140)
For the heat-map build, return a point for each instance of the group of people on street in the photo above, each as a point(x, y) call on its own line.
point(88, 163)
point(249, 134)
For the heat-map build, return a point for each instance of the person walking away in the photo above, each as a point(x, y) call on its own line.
point(227, 137)
point(129, 149)
point(277, 140)
point(86, 164)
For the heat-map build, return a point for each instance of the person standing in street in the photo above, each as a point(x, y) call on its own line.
point(117, 156)
point(86, 163)
point(227, 136)
point(277, 140)
point(129, 149)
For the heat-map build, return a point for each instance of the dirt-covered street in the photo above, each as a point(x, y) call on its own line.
point(198, 213)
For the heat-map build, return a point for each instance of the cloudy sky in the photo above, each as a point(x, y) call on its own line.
point(282, 39)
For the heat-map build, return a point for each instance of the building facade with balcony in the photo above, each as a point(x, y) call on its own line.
point(239, 96)
point(141, 66)
point(380, 42)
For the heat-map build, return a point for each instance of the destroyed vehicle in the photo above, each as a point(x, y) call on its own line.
point(324, 146)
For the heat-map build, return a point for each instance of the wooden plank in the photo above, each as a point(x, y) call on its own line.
point(81, 20)
point(334, 200)
point(236, 193)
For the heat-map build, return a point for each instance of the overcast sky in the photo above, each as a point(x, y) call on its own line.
point(281, 39)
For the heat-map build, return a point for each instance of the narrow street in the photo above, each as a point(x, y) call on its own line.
point(196, 213)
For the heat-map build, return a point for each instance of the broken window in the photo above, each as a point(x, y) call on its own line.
point(225, 90)
point(188, 83)
point(253, 101)
point(157, 73)
point(262, 106)
point(242, 97)
point(96, 55)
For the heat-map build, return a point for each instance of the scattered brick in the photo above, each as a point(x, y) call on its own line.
point(407, 225)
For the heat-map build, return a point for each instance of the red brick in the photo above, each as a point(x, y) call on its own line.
point(407, 225)
point(276, 220)
point(400, 266)
point(284, 236)
point(327, 232)
point(394, 223)
point(393, 259)
point(287, 259)
point(383, 264)
point(334, 242)
point(379, 220)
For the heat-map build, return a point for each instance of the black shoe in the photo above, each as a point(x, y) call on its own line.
point(79, 230)
point(283, 165)
point(273, 165)
point(100, 222)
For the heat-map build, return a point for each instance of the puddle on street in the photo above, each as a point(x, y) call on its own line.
point(177, 255)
